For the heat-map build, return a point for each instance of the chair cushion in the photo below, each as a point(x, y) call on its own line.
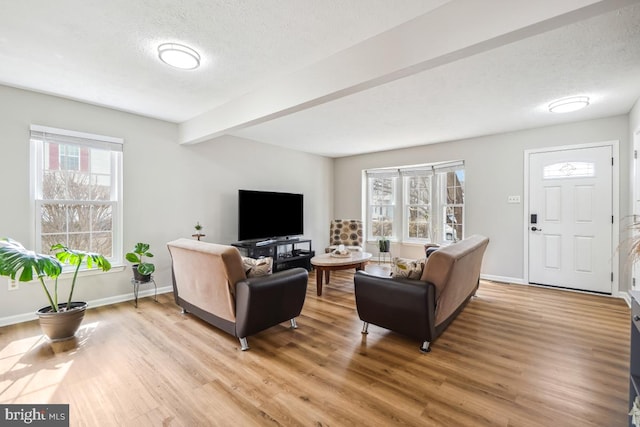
point(407, 268)
point(257, 267)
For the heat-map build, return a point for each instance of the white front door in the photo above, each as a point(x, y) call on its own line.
point(570, 218)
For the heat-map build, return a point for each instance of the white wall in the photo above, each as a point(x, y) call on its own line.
point(634, 117)
point(167, 187)
point(494, 170)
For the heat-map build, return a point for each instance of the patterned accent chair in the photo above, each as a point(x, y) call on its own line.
point(347, 232)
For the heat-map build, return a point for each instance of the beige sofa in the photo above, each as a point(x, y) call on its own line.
point(210, 282)
point(423, 308)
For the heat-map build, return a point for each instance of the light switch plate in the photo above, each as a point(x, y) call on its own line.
point(513, 199)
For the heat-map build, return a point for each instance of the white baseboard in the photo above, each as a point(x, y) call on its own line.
point(502, 279)
point(621, 294)
point(25, 317)
point(625, 296)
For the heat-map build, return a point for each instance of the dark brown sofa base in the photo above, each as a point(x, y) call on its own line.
point(422, 309)
point(401, 305)
point(209, 281)
point(261, 303)
point(212, 319)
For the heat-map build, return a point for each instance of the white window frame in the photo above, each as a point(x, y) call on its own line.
point(441, 171)
point(407, 174)
point(42, 134)
point(438, 203)
point(394, 205)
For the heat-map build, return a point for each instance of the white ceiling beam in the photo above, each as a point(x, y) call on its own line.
point(458, 29)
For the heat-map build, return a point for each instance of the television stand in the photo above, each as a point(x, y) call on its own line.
point(286, 254)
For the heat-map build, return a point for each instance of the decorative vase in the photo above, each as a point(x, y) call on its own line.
point(383, 245)
point(61, 325)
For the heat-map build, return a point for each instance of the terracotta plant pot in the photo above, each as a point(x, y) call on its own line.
point(61, 325)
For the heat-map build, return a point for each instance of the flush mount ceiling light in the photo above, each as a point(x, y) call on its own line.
point(179, 56)
point(567, 105)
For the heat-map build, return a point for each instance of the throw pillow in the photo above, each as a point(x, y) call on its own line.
point(257, 267)
point(407, 268)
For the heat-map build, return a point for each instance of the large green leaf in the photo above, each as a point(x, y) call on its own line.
point(141, 248)
point(76, 258)
point(146, 268)
point(16, 259)
point(131, 257)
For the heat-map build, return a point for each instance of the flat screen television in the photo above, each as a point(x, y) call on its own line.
point(266, 215)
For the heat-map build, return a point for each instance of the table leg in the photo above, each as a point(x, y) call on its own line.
point(327, 276)
point(319, 280)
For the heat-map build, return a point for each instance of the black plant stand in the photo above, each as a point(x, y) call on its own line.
point(136, 287)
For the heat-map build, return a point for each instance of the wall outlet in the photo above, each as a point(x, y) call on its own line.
point(513, 199)
point(13, 284)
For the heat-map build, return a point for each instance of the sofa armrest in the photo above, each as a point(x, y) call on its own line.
point(262, 302)
point(403, 305)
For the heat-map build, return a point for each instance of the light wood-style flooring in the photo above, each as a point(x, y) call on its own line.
point(516, 356)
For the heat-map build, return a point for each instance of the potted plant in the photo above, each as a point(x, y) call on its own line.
point(141, 270)
point(384, 244)
point(58, 320)
point(198, 228)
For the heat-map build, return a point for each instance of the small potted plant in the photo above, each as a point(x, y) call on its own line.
point(141, 270)
point(384, 244)
point(198, 228)
point(59, 320)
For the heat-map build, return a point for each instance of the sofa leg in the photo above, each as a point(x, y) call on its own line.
point(244, 345)
point(184, 310)
point(294, 325)
point(425, 347)
point(365, 328)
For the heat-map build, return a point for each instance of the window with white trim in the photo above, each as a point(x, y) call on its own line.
point(453, 205)
point(417, 185)
point(77, 191)
point(382, 203)
point(417, 204)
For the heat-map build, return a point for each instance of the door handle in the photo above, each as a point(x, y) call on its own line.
point(534, 228)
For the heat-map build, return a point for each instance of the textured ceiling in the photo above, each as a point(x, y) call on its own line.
point(104, 53)
point(504, 89)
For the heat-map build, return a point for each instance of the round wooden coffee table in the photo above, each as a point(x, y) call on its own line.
point(325, 263)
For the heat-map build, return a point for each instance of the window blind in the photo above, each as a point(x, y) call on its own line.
point(62, 136)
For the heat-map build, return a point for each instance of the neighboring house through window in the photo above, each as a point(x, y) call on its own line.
point(417, 204)
point(77, 188)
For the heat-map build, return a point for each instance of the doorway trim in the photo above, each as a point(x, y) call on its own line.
point(615, 193)
point(635, 205)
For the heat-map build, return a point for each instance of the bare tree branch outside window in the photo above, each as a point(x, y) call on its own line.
point(382, 206)
point(76, 207)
